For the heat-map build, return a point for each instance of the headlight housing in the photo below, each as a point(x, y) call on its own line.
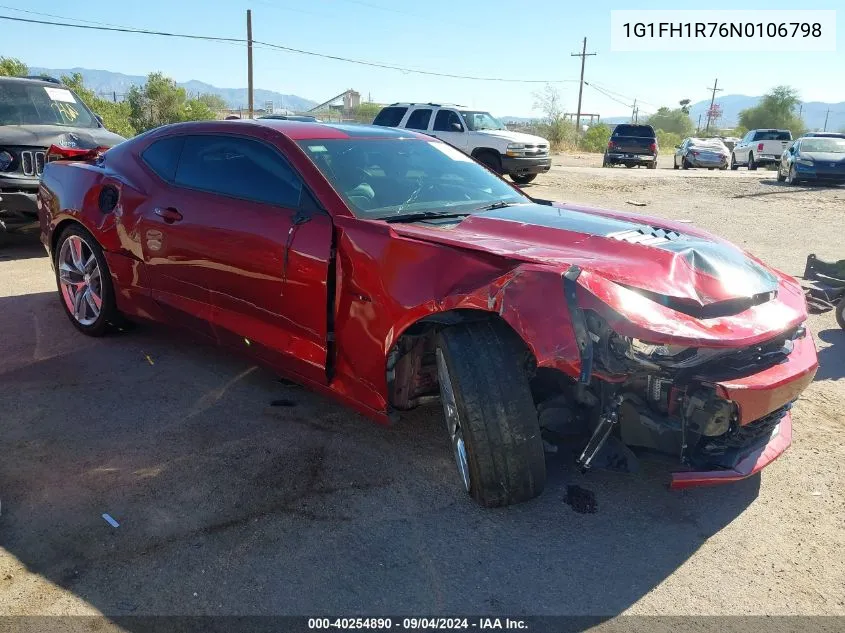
point(807, 162)
point(6, 160)
point(516, 149)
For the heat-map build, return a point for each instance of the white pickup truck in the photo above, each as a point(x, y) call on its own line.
point(760, 147)
point(475, 132)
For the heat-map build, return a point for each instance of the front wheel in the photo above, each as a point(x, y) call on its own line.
point(840, 313)
point(523, 179)
point(490, 414)
point(84, 282)
point(780, 175)
point(791, 177)
point(734, 164)
point(490, 160)
point(685, 163)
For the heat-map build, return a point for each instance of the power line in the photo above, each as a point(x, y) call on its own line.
point(606, 94)
point(211, 38)
point(619, 94)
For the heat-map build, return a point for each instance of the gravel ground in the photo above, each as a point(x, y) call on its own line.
point(228, 505)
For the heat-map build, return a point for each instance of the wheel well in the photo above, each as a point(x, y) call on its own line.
point(478, 151)
point(410, 367)
point(57, 232)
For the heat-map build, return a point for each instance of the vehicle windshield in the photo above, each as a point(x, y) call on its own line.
point(477, 121)
point(382, 178)
point(822, 144)
point(30, 103)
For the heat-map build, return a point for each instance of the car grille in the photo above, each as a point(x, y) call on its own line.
point(536, 150)
point(32, 162)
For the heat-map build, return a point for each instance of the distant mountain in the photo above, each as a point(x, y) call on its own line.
point(107, 84)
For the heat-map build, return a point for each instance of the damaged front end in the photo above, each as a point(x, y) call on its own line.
point(724, 412)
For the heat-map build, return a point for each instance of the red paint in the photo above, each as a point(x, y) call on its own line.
point(753, 462)
point(220, 270)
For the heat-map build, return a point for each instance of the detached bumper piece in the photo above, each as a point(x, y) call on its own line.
point(18, 210)
point(764, 441)
point(824, 284)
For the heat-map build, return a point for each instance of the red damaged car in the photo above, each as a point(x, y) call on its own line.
point(388, 269)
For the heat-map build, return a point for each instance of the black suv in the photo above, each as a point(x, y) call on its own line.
point(35, 114)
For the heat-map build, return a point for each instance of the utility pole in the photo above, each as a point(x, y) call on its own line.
point(249, 61)
point(634, 111)
point(715, 89)
point(583, 55)
point(826, 114)
point(698, 127)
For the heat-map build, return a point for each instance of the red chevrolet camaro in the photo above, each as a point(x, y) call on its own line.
point(387, 269)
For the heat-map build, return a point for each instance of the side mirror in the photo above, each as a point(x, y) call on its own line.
point(99, 120)
point(457, 127)
point(792, 150)
point(677, 147)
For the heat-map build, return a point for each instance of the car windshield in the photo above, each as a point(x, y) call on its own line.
point(381, 178)
point(477, 121)
point(822, 144)
point(30, 103)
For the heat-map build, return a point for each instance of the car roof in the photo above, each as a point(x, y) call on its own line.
point(407, 104)
point(823, 135)
point(38, 81)
point(298, 130)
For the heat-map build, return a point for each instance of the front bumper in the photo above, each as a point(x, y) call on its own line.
point(18, 208)
point(512, 165)
point(758, 397)
point(820, 174)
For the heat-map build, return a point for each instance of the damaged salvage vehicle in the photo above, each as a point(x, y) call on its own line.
point(388, 270)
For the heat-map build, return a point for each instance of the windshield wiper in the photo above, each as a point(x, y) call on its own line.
point(421, 215)
point(496, 205)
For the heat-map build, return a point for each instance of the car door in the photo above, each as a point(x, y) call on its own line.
point(237, 248)
point(449, 127)
point(741, 149)
point(680, 150)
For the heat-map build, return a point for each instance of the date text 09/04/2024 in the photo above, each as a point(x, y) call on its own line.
point(722, 29)
point(410, 624)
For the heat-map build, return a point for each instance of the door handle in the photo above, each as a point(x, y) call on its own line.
point(169, 215)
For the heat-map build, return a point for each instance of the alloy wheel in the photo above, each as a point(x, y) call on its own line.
point(80, 280)
point(453, 419)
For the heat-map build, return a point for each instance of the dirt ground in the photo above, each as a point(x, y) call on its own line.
point(229, 505)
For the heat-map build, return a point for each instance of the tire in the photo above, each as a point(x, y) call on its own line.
point(524, 179)
point(605, 162)
point(840, 313)
point(752, 166)
point(684, 163)
point(483, 381)
point(780, 175)
point(734, 164)
point(490, 160)
point(82, 280)
point(652, 165)
point(791, 178)
point(629, 165)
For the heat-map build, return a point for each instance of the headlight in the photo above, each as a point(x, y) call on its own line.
point(808, 162)
point(516, 149)
point(656, 351)
point(6, 160)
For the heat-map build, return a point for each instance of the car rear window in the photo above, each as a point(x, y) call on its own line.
point(163, 156)
point(773, 135)
point(633, 130)
point(390, 116)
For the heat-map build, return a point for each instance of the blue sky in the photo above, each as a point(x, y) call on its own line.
point(529, 40)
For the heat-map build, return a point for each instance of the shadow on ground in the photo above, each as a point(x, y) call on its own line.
point(832, 357)
point(20, 246)
point(228, 505)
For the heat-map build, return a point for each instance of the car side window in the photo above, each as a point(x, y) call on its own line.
point(419, 119)
point(390, 116)
point(444, 120)
point(238, 167)
point(162, 156)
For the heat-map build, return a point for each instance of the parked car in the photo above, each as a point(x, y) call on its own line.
point(701, 152)
point(814, 158)
point(760, 147)
point(474, 132)
point(631, 145)
point(35, 114)
point(824, 134)
point(387, 269)
point(302, 118)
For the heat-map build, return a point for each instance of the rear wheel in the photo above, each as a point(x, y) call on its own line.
point(490, 414)
point(652, 164)
point(523, 179)
point(84, 282)
point(751, 164)
point(685, 163)
point(605, 162)
point(734, 164)
point(840, 313)
point(780, 175)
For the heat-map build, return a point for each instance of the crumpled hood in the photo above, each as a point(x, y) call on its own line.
point(677, 265)
point(46, 135)
point(514, 137)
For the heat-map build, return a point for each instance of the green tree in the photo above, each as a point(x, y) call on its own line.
point(684, 103)
point(115, 115)
point(666, 141)
point(215, 103)
point(675, 121)
point(367, 111)
point(775, 110)
point(11, 67)
point(160, 101)
point(595, 138)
